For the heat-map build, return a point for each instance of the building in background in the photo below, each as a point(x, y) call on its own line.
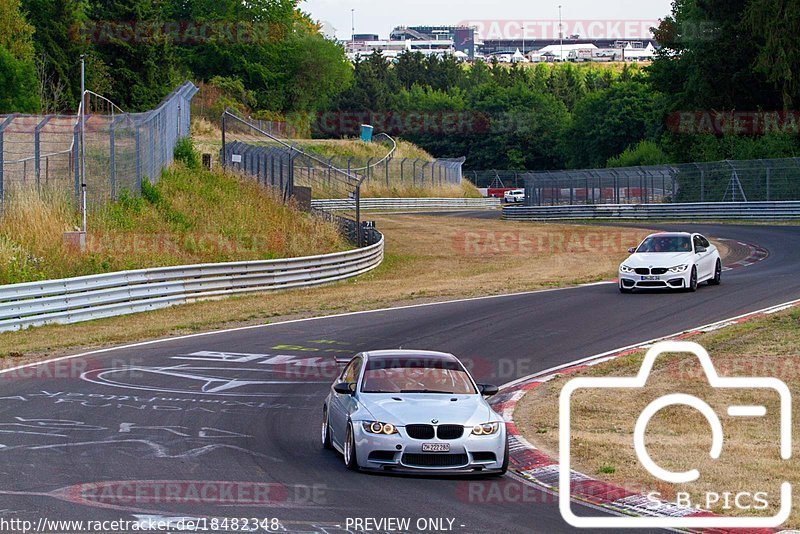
point(463, 37)
point(463, 43)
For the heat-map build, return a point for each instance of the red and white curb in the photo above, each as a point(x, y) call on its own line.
point(755, 255)
point(540, 469)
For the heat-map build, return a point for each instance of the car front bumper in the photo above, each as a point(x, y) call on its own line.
point(665, 281)
point(401, 453)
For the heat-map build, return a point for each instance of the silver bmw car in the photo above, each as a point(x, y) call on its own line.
point(413, 411)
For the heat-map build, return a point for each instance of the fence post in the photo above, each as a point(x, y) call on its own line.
point(2, 177)
point(674, 188)
point(402, 163)
point(112, 175)
point(224, 152)
point(387, 172)
point(76, 160)
point(702, 185)
point(152, 146)
point(138, 142)
point(414, 173)
point(767, 184)
point(37, 150)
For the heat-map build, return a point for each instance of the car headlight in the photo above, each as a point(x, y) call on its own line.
point(678, 269)
point(625, 269)
point(376, 427)
point(486, 429)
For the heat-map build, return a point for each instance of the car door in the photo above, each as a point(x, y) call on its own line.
point(341, 404)
point(703, 257)
point(710, 257)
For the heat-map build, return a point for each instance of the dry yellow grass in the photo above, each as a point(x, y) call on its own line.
point(426, 260)
point(679, 438)
point(189, 217)
point(206, 137)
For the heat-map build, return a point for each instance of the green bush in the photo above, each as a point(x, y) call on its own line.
point(186, 153)
point(643, 153)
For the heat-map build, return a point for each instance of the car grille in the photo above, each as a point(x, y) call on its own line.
point(645, 271)
point(420, 431)
point(450, 431)
point(435, 460)
point(652, 284)
point(484, 457)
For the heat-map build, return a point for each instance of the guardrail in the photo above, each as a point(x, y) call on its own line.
point(713, 211)
point(410, 204)
point(84, 298)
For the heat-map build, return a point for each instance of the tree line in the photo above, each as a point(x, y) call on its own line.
point(137, 51)
point(724, 85)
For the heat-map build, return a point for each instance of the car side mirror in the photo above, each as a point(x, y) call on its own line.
point(488, 390)
point(700, 250)
point(631, 250)
point(344, 388)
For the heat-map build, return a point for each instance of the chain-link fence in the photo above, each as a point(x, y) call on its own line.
point(42, 153)
point(496, 178)
point(285, 163)
point(719, 181)
point(629, 185)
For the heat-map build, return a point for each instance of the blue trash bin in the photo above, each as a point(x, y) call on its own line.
point(366, 133)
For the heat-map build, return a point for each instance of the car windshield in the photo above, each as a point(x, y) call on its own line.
point(666, 243)
point(408, 374)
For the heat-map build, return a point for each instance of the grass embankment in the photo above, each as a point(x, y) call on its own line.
point(207, 137)
point(678, 438)
point(450, 258)
point(189, 216)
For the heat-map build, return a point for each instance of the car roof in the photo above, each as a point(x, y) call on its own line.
point(671, 234)
point(394, 353)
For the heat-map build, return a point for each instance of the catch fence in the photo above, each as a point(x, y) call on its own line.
point(718, 181)
point(42, 152)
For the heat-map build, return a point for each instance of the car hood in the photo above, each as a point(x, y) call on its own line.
point(421, 408)
point(659, 259)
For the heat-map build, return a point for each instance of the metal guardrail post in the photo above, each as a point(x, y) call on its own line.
point(359, 233)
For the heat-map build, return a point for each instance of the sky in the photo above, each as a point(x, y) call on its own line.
point(502, 18)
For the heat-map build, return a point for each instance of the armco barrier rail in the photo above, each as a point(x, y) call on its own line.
point(85, 298)
point(788, 210)
point(400, 204)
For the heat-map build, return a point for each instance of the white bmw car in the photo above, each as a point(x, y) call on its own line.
point(514, 196)
point(675, 260)
point(413, 411)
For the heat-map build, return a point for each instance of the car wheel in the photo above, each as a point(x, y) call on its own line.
point(693, 280)
point(326, 430)
point(623, 289)
point(717, 280)
point(350, 449)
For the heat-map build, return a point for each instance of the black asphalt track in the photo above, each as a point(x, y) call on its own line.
point(227, 424)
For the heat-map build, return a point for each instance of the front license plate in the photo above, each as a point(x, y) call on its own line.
point(435, 447)
point(646, 278)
